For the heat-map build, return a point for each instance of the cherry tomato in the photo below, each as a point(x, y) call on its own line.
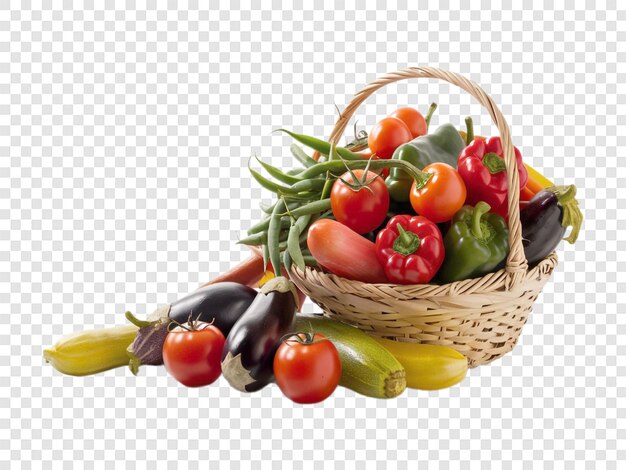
point(442, 196)
point(360, 207)
point(413, 120)
point(307, 368)
point(193, 357)
point(387, 135)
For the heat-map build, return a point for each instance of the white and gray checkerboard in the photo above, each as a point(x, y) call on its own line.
point(125, 128)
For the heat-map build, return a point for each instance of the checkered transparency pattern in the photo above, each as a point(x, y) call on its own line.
point(125, 130)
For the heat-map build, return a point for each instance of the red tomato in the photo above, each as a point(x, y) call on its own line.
point(362, 208)
point(194, 357)
point(442, 196)
point(307, 368)
point(413, 120)
point(387, 135)
point(344, 252)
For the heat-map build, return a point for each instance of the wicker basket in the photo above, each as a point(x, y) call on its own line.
point(483, 317)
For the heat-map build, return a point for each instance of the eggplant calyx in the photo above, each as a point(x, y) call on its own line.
point(236, 374)
point(280, 284)
point(147, 346)
point(572, 216)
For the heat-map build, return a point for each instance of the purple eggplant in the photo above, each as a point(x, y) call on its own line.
point(248, 355)
point(545, 220)
point(221, 304)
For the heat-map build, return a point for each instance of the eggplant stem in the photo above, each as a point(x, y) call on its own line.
point(137, 322)
point(572, 216)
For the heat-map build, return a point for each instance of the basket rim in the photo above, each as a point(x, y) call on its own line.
point(491, 282)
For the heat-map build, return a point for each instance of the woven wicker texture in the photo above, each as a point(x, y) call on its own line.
point(482, 318)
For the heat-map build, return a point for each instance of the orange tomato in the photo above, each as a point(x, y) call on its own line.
point(387, 135)
point(413, 120)
point(442, 196)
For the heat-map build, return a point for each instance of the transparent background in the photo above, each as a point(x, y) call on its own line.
point(125, 128)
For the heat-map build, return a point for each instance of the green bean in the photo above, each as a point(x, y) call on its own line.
point(294, 171)
point(259, 238)
point(301, 156)
point(266, 256)
point(295, 203)
point(322, 146)
point(328, 184)
point(293, 240)
point(336, 166)
point(310, 261)
point(264, 225)
point(307, 185)
point(279, 174)
point(273, 234)
point(267, 184)
point(265, 208)
point(287, 260)
point(311, 208)
point(255, 239)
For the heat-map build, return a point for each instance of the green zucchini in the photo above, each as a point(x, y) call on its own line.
point(366, 366)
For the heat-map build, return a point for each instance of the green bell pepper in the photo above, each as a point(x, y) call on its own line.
point(442, 145)
point(476, 244)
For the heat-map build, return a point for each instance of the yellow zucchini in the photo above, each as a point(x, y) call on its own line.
point(428, 367)
point(92, 351)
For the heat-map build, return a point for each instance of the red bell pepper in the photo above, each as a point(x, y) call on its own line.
point(481, 165)
point(410, 249)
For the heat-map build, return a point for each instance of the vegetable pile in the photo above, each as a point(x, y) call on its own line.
point(439, 216)
point(400, 205)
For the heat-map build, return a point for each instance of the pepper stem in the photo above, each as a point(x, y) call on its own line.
point(469, 126)
point(407, 242)
point(479, 210)
point(572, 216)
point(429, 114)
point(494, 163)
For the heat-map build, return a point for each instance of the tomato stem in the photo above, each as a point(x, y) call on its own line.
point(302, 337)
point(335, 166)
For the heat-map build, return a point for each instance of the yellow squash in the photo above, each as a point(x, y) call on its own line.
point(427, 366)
point(538, 177)
point(92, 351)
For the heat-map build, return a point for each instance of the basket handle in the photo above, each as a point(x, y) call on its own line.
point(516, 264)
